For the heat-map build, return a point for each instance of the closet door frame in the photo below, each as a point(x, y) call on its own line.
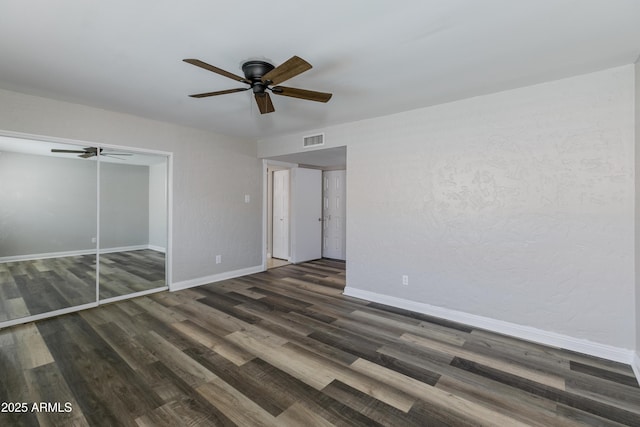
point(169, 204)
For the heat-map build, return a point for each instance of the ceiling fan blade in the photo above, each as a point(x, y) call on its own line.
point(87, 155)
point(309, 95)
point(220, 92)
point(264, 103)
point(290, 68)
point(56, 150)
point(216, 70)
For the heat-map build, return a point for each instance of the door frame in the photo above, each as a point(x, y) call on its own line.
point(280, 201)
point(266, 163)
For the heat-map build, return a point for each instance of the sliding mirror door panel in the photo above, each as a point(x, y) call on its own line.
point(133, 227)
point(78, 225)
point(48, 229)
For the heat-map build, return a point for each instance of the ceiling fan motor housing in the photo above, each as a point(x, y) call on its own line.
point(253, 71)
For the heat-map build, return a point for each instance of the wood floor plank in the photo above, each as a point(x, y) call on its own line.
point(435, 331)
point(336, 412)
point(270, 388)
point(531, 354)
point(292, 334)
point(287, 360)
point(509, 403)
point(158, 311)
point(215, 321)
point(601, 390)
point(127, 347)
point(359, 381)
point(47, 384)
point(606, 374)
point(15, 309)
point(13, 386)
point(182, 365)
point(505, 366)
point(184, 405)
point(298, 415)
point(236, 406)
point(231, 352)
point(31, 347)
point(310, 286)
point(374, 409)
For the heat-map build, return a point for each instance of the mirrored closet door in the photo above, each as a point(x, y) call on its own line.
point(133, 222)
point(48, 207)
point(78, 225)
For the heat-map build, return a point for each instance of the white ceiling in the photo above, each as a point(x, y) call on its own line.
point(376, 57)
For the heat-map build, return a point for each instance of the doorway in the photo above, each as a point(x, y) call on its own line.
point(307, 211)
point(280, 216)
point(277, 221)
point(334, 212)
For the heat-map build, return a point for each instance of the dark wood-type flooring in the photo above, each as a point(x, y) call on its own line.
point(40, 286)
point(285, 347)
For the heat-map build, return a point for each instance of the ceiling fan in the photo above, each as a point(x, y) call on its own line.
point(91, 152)
point(261, 76)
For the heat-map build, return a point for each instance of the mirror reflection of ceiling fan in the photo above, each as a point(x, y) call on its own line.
point(91, 152)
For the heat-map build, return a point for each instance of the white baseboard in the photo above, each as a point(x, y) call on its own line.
point(185, 284)
point(123, 249)
point(62, 254)
point(157, 248)
point(636, 364)
point(32, 257)
point(512, 329)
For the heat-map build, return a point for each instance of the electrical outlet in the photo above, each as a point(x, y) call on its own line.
point(218, 259)
point(405, 280)
point(94, 240)
point(247, 198)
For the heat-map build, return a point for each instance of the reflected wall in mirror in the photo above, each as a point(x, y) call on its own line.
point(133, 222)
point(48, 209)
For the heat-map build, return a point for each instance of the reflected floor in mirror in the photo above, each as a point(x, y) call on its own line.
point(123, 273)
point(44, 285)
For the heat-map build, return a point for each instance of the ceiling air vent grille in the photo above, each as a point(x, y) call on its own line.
point(313, 140)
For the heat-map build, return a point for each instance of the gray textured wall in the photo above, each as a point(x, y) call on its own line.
point(47, 204)
point(124, 205)
point(516, 206)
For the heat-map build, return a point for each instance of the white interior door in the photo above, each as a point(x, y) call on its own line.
point(334, 211)
point(306, 204)
point(281, 214)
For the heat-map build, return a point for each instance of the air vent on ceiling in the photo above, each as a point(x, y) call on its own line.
point(313, 140)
